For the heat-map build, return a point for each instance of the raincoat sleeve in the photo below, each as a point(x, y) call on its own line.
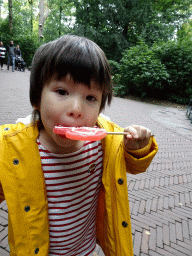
point(2, 197)
point(137, 161)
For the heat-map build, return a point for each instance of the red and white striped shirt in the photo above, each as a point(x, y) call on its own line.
point(73, 182)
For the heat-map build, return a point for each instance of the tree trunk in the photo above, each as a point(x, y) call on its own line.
point(10, 18)
point(41, 18)
point(31, 3)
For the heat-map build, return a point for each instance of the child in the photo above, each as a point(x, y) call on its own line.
point(65, 195)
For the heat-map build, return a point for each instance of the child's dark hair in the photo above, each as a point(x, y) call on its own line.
point(74, 55)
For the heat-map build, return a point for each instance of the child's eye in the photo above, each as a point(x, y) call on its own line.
point(91, 98)
point(62, 92)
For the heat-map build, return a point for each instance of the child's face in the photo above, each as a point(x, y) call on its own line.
point(68, 104)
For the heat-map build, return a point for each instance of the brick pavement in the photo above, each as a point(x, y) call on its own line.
point(161, 198)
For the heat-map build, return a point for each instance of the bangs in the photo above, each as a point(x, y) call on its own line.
point(83, 60)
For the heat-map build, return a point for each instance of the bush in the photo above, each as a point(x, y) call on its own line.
point(177, 58)
point(163, 71)
point(142, 74)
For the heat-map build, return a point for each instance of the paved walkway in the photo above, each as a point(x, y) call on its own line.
point(161, 198)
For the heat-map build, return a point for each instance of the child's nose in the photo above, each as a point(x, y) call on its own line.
point(76, 109)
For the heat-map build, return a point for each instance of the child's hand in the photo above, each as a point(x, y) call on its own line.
point(138, 138)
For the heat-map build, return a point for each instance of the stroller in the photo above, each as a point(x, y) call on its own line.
point(20, 64)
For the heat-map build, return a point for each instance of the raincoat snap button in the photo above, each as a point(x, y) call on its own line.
point(36, 250)
point(27, 208)
point(15, 161)
point(124, 224)
point(6, 129)
point(92, 168)
point(120, 181)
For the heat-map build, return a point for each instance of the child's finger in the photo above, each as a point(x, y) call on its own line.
point(133, 132)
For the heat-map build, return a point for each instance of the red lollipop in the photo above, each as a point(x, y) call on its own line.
point(81, 133)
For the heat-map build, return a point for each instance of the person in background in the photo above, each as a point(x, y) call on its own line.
point(11, 49)
point(2, 54)
point(18, 56)
point(18, 52)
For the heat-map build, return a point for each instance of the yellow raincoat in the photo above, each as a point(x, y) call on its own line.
point(23, 187)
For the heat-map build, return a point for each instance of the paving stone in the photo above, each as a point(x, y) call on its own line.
point(3, 252)
point(137, 244)
point(142, 184)
point(4, 242)
point(179, 232)
point(166, 202)
point(172, 232)
point(152, 253)
point(173, 251)
point(182, 199)
point(162, 181)
point(176, 196)
point(166, 181)
point(144, 221)
point(136, 187)
point(4, 214)
point(154, 205)
point(180, 179)
point(152, 183)
point(190, 227)
point(142, 207)
point(3, 233)
point(185, 178)
point(171, 201)
point(166, 239)
point(136, 208)
point(131, 204)
point(7, 248)
point(148, 205)
point(181, 249)
point(145, 242)
point(3, 203)
point(187, 198)
point(185, 245)
point(131, 186)
point(164, 252)
point(171, 216)
point(180, 213)
point(159, 237)
point(135, 227)
point(189, 178)
point(147, 183)
point(160, 203)
point(157, 219)
point(152, 239)
point(176, 180)
point(185, 229)
point(157, 182)
point(188, 242)
point(3, 221)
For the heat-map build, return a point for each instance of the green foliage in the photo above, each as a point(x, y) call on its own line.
point(177, 58)
point(185, 32)
point(163, 71)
